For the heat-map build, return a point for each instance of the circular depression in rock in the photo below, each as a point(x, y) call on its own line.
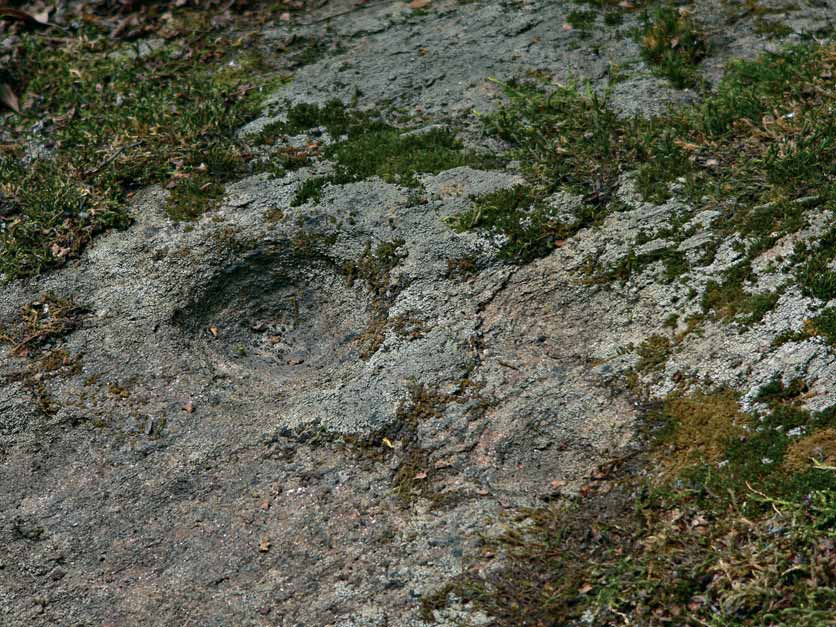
point(280, 313)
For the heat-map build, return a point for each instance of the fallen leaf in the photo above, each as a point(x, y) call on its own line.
point(686, 145)
point(59, 119)
point(600, 473)
point(556, 484)
point(58, 252)
point(264, 544)
point(418, 4)
point(188, 408)
point(265, 504)
point(22, 16)
point(421, 475)
point(42, 17)
point(213, 330)
point(585, 588)
point(8, 98)
point(388, 442)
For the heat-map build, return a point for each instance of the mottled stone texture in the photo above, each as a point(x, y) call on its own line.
point(273, 501)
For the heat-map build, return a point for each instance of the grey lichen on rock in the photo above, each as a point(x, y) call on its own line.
point(344, 365)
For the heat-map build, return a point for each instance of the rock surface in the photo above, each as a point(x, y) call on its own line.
point(216, 456)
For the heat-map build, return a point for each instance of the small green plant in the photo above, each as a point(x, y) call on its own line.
point(824, 325)
point(524, 227)
point(582, 19)
point(653, 353)
point(673, 43)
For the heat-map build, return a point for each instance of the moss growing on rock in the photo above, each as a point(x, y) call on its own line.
point(118, 122)
point(367, 146)
point(732, 526)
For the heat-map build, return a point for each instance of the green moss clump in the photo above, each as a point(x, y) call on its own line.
point(366, 146)
point(653, 353)
point(525, 227)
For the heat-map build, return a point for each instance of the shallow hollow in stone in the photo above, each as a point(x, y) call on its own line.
point(278, 312)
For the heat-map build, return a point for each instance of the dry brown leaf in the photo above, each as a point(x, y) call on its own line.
point(42, 17)
point(265, 504)
point(23, 16)
point(9, 98)
point(421, 475)
point(264, 544)
point(188, 408)
point(418, 4)
point(213, 330)
point(59, 252)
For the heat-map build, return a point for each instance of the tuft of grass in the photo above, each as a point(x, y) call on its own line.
point(582, 20)
point(40, 323)
point(653, 353)
point(674, 44)
point(111, 123)
point(524, 227)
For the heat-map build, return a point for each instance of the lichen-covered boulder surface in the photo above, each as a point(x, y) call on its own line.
point(498, 312)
